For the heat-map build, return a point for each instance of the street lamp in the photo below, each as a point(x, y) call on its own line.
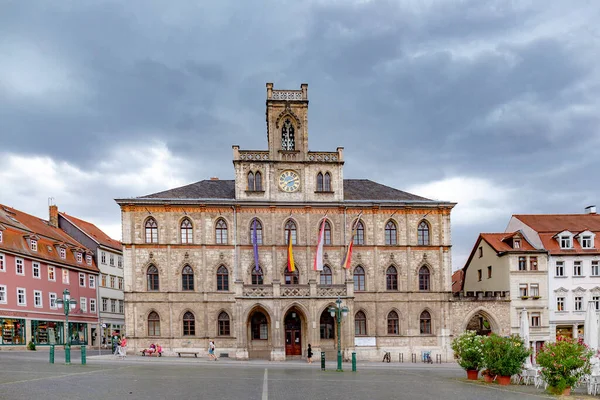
point(69, 304)
point(338, 313)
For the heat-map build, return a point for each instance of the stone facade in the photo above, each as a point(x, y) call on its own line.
point(272, 319)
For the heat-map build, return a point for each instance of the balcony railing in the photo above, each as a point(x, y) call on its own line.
point(331, 290)
point(258, 291)
point(295, 291)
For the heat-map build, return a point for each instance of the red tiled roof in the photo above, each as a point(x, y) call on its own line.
point(554, 223)
point(94, 232)
point(551, 244)
point(18, 224)
point(498, 243)
point(457, 280)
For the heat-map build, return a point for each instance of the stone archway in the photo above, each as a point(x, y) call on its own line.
point(259, 332)
point(481, 322)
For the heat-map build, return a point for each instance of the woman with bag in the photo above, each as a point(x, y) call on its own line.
point(309, 354)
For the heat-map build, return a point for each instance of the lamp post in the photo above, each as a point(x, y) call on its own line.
point(338, 313)
point(68, 304)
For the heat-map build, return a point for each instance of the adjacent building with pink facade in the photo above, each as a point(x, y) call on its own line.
point(38, 261)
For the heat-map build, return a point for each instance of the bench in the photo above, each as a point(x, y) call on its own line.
point(195, 353)
point(147, 352)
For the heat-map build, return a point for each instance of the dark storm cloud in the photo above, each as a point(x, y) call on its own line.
point(416, 91)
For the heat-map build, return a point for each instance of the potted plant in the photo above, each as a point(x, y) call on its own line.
point(564, 363)
point(504, 356)
point(468, 352)
point(487, 376)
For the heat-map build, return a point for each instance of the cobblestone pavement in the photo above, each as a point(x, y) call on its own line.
point(28, 375)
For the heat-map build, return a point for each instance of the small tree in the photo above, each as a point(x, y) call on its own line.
point(468, 350)
point(564, 363)
point(504, 356)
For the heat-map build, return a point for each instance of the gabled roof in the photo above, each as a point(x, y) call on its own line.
point(499, 242)
point(457, 280)
point(93, 232)
point(354, 189)
point(553, 223)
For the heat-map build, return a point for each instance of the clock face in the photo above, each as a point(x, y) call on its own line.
point(289, 181)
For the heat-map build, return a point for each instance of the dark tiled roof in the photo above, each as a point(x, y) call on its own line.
point(94, 232)
point(354, 189)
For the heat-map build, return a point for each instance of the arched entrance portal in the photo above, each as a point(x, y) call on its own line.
point(293, 333)
point(259, 339)
point(480, 324)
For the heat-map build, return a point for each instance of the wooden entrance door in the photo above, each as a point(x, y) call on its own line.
point(293, 335)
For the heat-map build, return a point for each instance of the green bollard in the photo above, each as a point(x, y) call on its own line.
point(322, 361)
point(68, 354)
point(353, 362)
point(51, 354)
point(83, 355)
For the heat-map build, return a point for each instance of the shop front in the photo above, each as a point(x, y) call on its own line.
point(47, 332)
point(78, 333)
point(13, 331)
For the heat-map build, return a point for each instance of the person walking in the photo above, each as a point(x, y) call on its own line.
point(309, 354)
point(211, 351)
point(123, 350)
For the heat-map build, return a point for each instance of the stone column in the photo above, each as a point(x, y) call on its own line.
point(575, 331)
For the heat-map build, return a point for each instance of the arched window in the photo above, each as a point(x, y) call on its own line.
point(259, 232)
point(222, 279)
point(187, 278)
point(291, 278)
point(250, 181)
point(393, 323)
point(319, 182)
point(151, 231)
point(327, 325)
point(326, 233)
point(186, 231)
point(153, 324)
point(425, 323)
point(258, 182)
point(326, 278)
point(152, 275)
point(391, 278)
point(424, 279)
point(224, 324)
point(287, 136)
point(390, 233)
point(359, 279)
point(259, 326)
point(359, 237)
point(257, 276)
point(290, 226)
point(189, 324)
point(221, 232)
point(423, 234)
point(360, 324)
point(327, 182)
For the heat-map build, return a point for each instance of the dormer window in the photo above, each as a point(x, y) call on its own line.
point(517, 244)
point(33, 245)
point(586, 242)
point(88, 260)
point(79, 257)
point(63, 252)
point(565, 242)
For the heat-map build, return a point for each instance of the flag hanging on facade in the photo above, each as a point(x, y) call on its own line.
point(318, 265)
point(255, 244)
point(290, 259)
point(348, 257)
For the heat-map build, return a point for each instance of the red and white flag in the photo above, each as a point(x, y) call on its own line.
point(318, 266)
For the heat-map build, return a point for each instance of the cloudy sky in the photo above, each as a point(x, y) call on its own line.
point(491, 104)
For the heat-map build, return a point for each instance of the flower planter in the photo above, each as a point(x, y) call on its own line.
point(503, 380)
point(536, 297)
point(472, 374)
point(488, 378)
point(565, 392)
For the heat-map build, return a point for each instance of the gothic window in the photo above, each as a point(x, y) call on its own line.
point(359, 237)
point(327, 325)
point(326, 233)
point(153, 324)
point(221, 232)
point(327, 182)
point(258, 182)
point(250, 181)
point(390, 233)
point(326, 277)
point(259, 232)
point(187, 278)
point(319, 182)
point(224, 324)
point(222, 279)
point(257, 276)
point(189, 324)
point(423, 234)
point(152, 275)
point(287, 136)
point(151, 231)
point(391, 278)
point(425, 323)
point(424, 279)
point(290, 227)
point(186, 231)
point(360, 324)
point(359, 279)
point(259, 326)
point(393, 323)
point(291, 278)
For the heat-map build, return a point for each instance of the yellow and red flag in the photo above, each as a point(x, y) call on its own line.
point(290, 256)
point(346, 262)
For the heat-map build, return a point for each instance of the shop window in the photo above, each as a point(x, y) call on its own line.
point(78, 333)
point(13, 331)
point(47, 332)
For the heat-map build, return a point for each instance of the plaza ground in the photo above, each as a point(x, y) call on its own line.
point(28, 375)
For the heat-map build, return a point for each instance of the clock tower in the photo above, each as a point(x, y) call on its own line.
point(288, 171)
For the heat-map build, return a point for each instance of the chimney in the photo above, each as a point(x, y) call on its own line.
point(590, 210)
point(214, 178)
point(53, 220)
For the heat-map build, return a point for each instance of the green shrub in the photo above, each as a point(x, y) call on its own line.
point(564, 362)
point(504, 356)
point(31, 345)
point(468, 350)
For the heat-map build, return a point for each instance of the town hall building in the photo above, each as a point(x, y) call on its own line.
point(191, 274)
